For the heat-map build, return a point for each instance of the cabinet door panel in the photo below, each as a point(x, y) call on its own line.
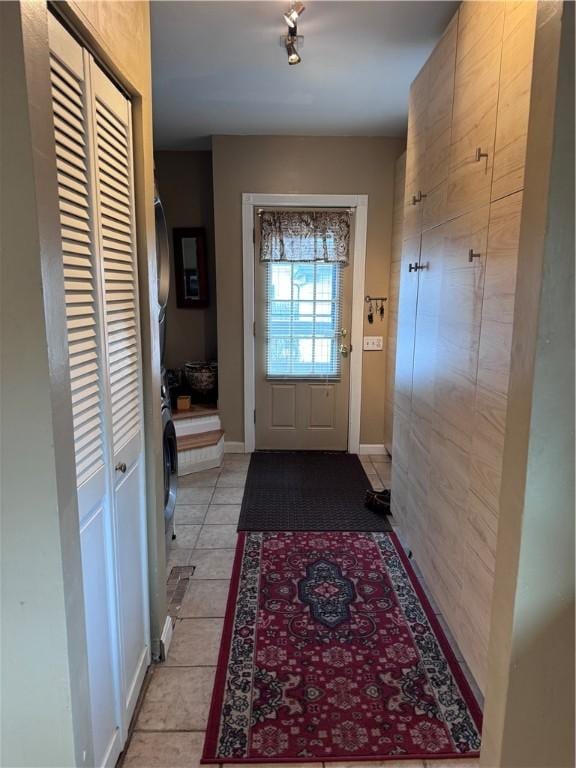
point(408, 296)
point(415, 154)
point(487, 432)
point(477, 78)
point(421, 413)
point(495, 346)
point(406, 325)
point(393, 296)
point(514, 98)
point(441, 66)
point(443, 395)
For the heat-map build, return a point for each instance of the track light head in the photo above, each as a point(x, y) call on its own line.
point(291, 17)
point(293, 55)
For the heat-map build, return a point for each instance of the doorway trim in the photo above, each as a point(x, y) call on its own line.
point(360, 203)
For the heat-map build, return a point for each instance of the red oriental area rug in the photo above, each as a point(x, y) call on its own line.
point(331, 652)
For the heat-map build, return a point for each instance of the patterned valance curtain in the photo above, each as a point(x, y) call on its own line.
point(305, 236)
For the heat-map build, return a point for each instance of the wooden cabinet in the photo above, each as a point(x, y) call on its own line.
point(441, 69)
point(429, 133)
point(455, 312)
point(403, 371)
point(393, 295)
point(476, 85)
point(487, 431)
point(406, 325)
point(415, 154)
point(514, 98)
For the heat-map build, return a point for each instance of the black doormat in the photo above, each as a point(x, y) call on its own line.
point(307, 491)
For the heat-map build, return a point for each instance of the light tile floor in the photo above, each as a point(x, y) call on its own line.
point(169, 729)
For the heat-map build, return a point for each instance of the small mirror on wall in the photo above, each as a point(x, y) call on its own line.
point(190, 267)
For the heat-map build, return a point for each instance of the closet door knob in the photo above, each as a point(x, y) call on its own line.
point(121, 467)
point(473, 255)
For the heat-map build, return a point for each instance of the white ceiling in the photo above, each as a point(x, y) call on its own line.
point(218, 68)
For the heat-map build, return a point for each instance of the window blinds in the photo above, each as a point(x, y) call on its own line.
point(303, 320)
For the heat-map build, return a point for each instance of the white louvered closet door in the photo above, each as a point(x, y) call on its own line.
point(70, 99)
point(93, 141)
point(111, 119)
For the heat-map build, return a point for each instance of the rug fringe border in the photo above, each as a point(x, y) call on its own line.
point(215, 712)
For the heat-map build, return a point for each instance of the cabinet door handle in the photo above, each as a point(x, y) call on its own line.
point(415, 200)
point(479, 154)
point(121, 467)
point(412, 267)
point(473, 255)
point(418, 199)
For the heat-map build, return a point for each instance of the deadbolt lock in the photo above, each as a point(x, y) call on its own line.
point(343, 349)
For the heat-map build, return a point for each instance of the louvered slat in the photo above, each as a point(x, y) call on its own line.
point(79, 268)
point(118, 250)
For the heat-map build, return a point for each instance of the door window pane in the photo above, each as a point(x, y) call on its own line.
point(303, 316)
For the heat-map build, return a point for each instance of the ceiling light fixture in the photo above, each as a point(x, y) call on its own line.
point(291, 18)
point(293, 55)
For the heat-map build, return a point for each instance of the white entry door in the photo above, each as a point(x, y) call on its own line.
point(93, 151)
point(302, 330)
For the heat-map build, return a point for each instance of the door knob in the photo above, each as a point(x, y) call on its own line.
point(343, 349)
point(343, 333)
point(121, 467)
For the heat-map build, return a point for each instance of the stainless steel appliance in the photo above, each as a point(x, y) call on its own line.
point(170, 449)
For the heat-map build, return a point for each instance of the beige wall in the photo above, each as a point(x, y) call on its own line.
point(299, 165)
point(529, 714)
point(185, 186)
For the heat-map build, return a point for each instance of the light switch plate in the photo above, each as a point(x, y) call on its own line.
point(373, 343)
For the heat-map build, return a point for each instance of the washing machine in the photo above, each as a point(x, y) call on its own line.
point(170, 449)
point(170, 452)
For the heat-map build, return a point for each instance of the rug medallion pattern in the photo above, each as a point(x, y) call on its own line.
point(331, 655)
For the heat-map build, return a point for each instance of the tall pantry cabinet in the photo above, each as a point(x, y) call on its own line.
point(93, 143)
point(468, 120)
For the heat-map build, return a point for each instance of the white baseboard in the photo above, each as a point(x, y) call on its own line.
point(231, 446)
point(166, 638)
point(374, 449)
